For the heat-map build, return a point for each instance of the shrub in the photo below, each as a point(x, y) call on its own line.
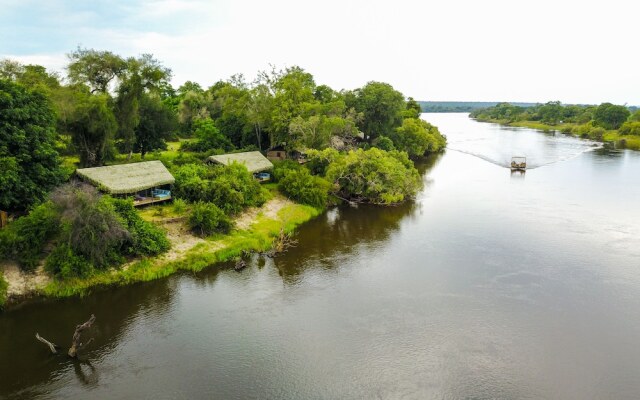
point(630, 128)
point(282, 168)
point(374, 176)
point(418, 137)
point(24, 239)
point(319, 160)
point(304, 188)
point(582, 130)
point(64, 263)
point(91, 226)
point(145, 239)
point(179, 206)
point(596, 133)
point(232, 188)
point(384, 143)
point(207, 218)
point(209, 138)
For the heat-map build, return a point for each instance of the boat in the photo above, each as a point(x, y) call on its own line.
point(518, 163)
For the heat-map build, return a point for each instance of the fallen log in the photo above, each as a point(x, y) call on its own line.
point(75, 341)
point(52, 346)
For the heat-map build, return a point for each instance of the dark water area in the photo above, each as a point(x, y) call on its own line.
point(491, 285)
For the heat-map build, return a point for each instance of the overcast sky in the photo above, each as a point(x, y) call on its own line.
point(490, 50)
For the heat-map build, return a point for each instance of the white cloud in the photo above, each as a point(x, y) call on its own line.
point(456, 50)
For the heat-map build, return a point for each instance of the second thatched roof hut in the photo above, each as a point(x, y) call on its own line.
point(253, 160)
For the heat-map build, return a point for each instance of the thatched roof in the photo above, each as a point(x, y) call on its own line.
point(128, 178)
point(253, 160)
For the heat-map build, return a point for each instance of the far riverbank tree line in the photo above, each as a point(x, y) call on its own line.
point(111, 109)
point(588, 121)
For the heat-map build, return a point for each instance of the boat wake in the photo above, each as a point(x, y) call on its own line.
point(533, 160)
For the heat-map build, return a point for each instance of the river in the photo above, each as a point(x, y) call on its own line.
point(491, 285)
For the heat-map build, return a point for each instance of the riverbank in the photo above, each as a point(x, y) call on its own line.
point(630, 142)
point(256, 230)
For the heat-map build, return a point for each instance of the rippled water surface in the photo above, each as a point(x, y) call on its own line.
point(492, 285)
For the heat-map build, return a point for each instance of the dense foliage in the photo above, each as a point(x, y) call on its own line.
point(416, 137)
point(89, 232)
point(374, 176)
point(24, 239)
point(207, 218)
point(231, 188)
point(29, 163)
point(304, 188)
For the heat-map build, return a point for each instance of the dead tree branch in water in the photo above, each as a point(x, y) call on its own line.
point(282, 243)
point(75, 342)
point(52, 346)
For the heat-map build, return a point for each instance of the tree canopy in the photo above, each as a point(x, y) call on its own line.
point(29, 162)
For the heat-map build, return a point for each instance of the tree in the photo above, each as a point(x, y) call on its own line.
point(413, 109)
point(551, 112)
point(29, 163)
point(293, 94)
point(381, 106)
point(417, 137)
point(374, 176)
point(610, 116)
point(142, 75)
point(157, 123)
point(97, 69)
point(92, 126)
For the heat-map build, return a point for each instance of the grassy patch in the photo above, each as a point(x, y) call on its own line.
point(217, 249)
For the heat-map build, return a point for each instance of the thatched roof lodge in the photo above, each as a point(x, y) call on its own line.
point(253, 160)
point(141, 179)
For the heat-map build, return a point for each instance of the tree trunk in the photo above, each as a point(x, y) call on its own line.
point(75, 342)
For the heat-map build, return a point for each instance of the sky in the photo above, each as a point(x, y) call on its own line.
point(583, 52)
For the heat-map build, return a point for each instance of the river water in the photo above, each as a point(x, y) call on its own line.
point(491, 285)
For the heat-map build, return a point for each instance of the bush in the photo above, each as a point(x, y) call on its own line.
point(418, 137)
point(91, 226)
point(630, 128)
point(304, 188)
point(24, 239)
point(282, 168)
point(145, 239)
point(207, 218)
point(319, 160)
point(209, 138)
point(179, 206)
point(374, 176)
point(64, 263)
point(232, 188)
point(384, 143)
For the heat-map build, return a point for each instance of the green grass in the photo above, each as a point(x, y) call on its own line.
point(217, 249)
point(3, 290)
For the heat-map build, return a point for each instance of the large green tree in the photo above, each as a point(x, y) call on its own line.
point(92, 127)
point(417, 137)
point(382, 107)
point(611, 116)
point(142, 75)
point(97, 69)
point(157, 123)
point(29, 163)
